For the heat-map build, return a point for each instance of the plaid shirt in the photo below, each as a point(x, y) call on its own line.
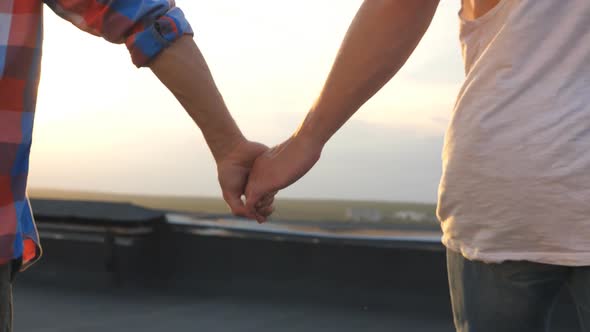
point(145, 26)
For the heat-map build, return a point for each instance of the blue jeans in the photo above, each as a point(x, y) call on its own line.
point(512, 296)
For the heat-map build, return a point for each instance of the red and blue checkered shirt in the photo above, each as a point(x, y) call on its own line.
point(145, 26)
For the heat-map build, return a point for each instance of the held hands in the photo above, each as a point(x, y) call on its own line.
point(278, 168)
point(233, 170)
point(259, 172)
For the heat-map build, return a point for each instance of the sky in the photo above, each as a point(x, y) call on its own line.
point(104, 125)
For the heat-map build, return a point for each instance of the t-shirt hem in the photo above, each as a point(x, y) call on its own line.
point(552, 258)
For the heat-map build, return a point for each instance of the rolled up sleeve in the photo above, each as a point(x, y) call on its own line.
point(146, 26)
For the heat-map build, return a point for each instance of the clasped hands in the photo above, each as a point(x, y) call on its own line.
point(253, 170)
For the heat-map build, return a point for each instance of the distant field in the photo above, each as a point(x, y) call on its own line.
point(286, 209)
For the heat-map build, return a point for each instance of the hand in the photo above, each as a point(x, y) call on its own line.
point(278, 168)
point(233, 170)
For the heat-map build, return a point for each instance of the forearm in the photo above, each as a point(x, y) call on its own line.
point(184, 71)
point(379, 41)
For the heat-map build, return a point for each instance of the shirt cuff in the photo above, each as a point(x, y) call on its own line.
point(149, 42)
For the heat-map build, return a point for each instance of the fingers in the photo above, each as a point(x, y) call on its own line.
point(236, 205)
point(253, 197)
point(258, 198)
point(264, 207)
point(263, 214)
point(261, 209)
point(260, 204)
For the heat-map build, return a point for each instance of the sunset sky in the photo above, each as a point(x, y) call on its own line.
point(103, 125)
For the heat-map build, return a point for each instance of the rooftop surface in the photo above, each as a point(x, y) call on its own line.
point(227, 275)
point(94, 210)
point(243, 285)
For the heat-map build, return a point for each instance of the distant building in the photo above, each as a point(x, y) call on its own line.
point(412, 216)
point(364, 214)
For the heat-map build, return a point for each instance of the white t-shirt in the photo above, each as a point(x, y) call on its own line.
point(516, 159)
